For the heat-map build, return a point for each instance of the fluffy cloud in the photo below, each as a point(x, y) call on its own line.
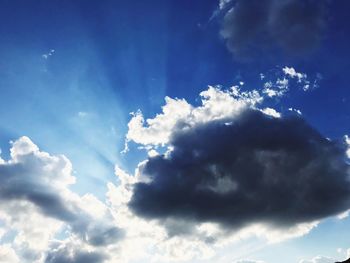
point(254, 25)
point(80, 228)
point(8, 255)
point(35, 186)
point(242, 171)
point(256, 169)
point(252, 193)
point(293, 74)
point(147, 240)
point(271, 112)
point(216, 104)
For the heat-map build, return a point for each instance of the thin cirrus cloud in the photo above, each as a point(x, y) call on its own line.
point(239, 169)
point(293, 25)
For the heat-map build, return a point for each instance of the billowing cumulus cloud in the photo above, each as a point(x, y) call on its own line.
point(245, 169)
point(36, 203)
point(216, 104)
point(256, 169)
point(254, 25)
point(146, 240)
point(228, 169)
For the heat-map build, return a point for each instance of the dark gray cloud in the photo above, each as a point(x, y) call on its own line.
point(100, 233)
point(254, 168)
point(64, 255)
point(52, 204)
point(43, 196)
point(253, 26)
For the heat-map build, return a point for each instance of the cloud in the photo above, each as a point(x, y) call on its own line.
point(35, 186)
point(279, 84)
point(293, 74)
point(255, 25)
point(347, 141)
point(318, 259)
point(248, 261)
point(223, 3)
point(216, 104)
point(243, 169)
point(48, 54)
point(271, 112)
point(146, 240)
point(68, 253)
point(8, 255)
point(295, 110)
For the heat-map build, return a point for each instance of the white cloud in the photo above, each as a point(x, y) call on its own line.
point(271, 112)
point(7, 254)
point(345, 253)
point(215, 104)
point(272, 93)
point(48, 54)
point(282, 84)
point(295, 110)
point(293, 74)
point(344, 215)
point(301, 78)
point(318, 259)
point(347, 141)
point(279, 85)
point(37, 204)
point(276, 89)
point(248, 261)
point(179, 114)
point(152, 153)
point(32, 236)
point(158, 129)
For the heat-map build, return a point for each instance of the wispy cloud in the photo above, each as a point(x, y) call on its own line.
point(48, 54)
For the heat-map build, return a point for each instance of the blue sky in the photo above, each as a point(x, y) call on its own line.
point(71, 72)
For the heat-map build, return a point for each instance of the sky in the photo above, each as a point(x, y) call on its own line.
point(174, 131)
